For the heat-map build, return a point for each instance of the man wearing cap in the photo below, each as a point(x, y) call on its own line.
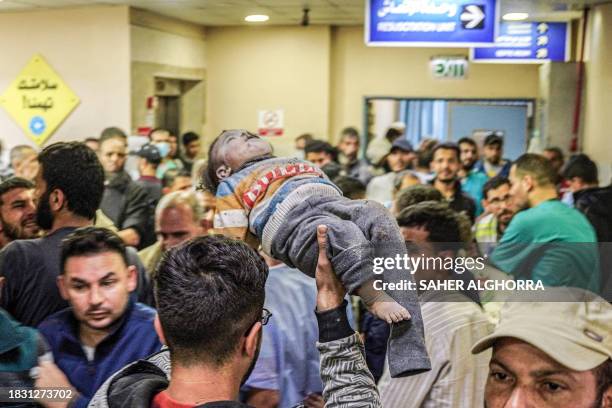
point(149, 160)
point(492, 164)
point(399, 158)
point(554, 352)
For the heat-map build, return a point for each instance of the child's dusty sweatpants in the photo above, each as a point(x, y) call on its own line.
point(358, 232)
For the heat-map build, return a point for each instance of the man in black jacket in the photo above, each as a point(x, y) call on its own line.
point(124, 201)
point(596, 204)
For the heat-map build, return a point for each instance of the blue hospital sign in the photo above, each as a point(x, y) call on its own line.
point(431, 23)
point(527, 43)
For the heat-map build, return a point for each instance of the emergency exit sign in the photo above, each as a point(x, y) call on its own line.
point(449, 67)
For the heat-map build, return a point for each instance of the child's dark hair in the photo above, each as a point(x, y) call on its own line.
point(209, 180)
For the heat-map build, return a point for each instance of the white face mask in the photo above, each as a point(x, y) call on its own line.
point(164, 148)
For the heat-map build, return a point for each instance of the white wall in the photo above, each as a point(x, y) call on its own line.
point(89, 48)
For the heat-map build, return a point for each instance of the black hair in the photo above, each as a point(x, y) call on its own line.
point(392, 134)
point(91, 241)
point(112, 133)
point(321, 146)
point(158, 129)
point(583, 167)
point(307, 137)
point(424, 158)
point(494, 183)
point(437, 218)
point(557, 151)
point(446, 146)
point(74, 168)
point(13, 183)
point(350, 186)
point(467, 140)
point(209, 292)
point(416, 194)
point(189, 137)
point(603, 378)
point(171, 174)
point(537, 166)
point(350, 132)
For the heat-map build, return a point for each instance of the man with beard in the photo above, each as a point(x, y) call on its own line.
point(490, 227)
point(548, 240)
point(492, 164)
point(445, 165)
point(124, 201)
point(17, 211)
point(103, 329)
point(349, 159)
point(69, 187)
point(472, 179)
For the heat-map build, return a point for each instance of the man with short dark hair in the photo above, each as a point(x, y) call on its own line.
point(596, 204)
point(300, 143)
point(555, 155)
point(453, 319)
point(490, 227)
point(551, 352)
point(17, 211)
point(348, 158)
point(472, 179)
point(69, 188)
point(103, 329)
point(493, 163)
point(164, 141)
point(445, 164)
point(176, 180)
point(210, 293)
point(547, 240)
point(148, 160)
point(124, 201)
point(324, 156)
point(351, 187)
point(191, 149)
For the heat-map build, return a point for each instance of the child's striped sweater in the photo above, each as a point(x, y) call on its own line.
point(253, 202)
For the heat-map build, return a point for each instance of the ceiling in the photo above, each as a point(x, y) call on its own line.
point(288, 12)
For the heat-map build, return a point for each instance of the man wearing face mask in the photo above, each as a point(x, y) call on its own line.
point(162, 139)
point(124, 201)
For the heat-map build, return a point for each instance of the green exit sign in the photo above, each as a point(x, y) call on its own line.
point(449, 67)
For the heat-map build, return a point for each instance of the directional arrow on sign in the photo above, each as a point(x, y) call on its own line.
point(542, 28)
point(472, 17)
point(542, 53)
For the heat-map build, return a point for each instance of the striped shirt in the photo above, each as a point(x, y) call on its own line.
point(457, 377)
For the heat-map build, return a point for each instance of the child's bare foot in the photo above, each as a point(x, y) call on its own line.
point(382, 305)
point(391, 312)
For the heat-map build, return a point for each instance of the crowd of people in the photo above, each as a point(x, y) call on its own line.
point(168, 276)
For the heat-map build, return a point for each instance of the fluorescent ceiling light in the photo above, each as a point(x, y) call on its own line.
point(256, 18)
point(515, 16)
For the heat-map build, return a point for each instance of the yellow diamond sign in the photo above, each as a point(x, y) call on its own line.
point(38, 100)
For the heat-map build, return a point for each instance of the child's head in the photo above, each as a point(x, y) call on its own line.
point(229, 151)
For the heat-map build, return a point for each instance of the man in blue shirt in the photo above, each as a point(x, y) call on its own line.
point(287, 369)
point(103, 329)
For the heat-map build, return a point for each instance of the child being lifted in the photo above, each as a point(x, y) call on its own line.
point(279, 202)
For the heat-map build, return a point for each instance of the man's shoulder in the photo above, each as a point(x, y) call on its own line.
point(53, 325)
point(142, 314)
point(24, 249)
